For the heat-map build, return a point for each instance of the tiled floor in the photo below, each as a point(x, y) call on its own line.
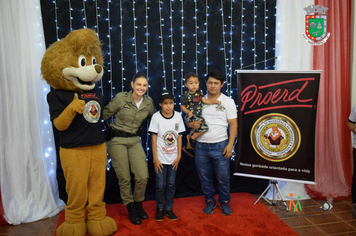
point(313, 221)
point(309, 221)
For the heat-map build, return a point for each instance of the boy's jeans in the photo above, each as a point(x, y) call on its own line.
point(165, 187)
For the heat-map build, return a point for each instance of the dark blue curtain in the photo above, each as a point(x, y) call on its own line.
point(181, 37)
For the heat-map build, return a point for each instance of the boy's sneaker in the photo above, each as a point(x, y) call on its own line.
point(209, 209)
point(225, 208)
point(171, 215)
point(159, 214)
point(189, 151)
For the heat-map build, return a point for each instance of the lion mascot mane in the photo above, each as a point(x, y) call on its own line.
point(72, 66)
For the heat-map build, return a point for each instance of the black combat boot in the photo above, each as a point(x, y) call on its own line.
point(141, 212)
point(133, 215)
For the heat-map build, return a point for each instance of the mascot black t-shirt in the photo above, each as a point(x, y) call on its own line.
point(86, 128)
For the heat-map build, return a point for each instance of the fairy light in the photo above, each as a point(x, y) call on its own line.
point(70, 15)
point(242, 33)
point(97, 32)
point(147, 71)
point(147, 58)
point(229, 87)
point(134, 30)
point(172, 44)
point(109, 46)
point(47, 142)
point(224, 42)
point(196, 36)
point(56, 18)
point(265, 33)
point(277, 36)
point(161, 20)
point(254, 35)
point(182, 50)
point(85, 15)
point(97, 17)
point(206, 38)
point(231, 58)
point(121, 50)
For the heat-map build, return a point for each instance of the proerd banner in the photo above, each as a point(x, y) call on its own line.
point(276, 124)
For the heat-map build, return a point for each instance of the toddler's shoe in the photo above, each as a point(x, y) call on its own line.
point(159, 214)
point(192, 142)
point(209, 209)
point(225, 208)
point(171, 215)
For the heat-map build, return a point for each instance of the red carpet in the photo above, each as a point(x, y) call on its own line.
point(246, 219)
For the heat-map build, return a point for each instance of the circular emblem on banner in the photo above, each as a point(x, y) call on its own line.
point(275, 137)
point(92, 111)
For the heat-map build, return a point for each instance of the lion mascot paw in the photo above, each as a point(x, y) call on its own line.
point(72, 66)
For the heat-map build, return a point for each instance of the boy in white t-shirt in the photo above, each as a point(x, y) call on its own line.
point(166, 127)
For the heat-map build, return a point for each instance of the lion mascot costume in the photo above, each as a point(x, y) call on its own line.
point(72, 66)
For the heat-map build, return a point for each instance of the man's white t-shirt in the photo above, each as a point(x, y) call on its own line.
point(217, 116)
point(352, 118)
point(167, 130)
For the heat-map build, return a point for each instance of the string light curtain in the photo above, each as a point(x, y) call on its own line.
point(165, 39)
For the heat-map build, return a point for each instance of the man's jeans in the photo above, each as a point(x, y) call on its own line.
point(209, 159)
point(353, 189)
point(165, 187)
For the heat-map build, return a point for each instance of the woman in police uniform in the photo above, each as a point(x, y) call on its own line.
point(125, 149)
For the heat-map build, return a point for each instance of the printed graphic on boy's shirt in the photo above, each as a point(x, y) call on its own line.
point(170, 138)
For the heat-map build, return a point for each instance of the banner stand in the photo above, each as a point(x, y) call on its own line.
point(274, 184)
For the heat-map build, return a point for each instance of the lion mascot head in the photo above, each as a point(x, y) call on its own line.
point(74, 63)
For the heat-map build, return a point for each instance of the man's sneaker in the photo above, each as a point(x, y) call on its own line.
point(210, 205)
point(189, 151)
point(171, 215)
point(225, 208)
point(159, 215)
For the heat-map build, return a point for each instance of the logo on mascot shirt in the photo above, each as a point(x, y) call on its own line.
point(92, 111)
point(275, 137)
point(88, 96)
